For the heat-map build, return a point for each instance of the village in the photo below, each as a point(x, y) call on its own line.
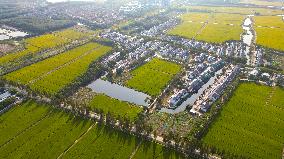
point(207, 71)
point(141, 79)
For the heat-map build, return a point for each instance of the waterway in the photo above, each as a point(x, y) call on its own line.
point(247, 37)
point(119, 92)
point(193, 98)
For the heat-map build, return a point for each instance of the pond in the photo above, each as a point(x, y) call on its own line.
point(4, 37)
point(8, 34)
point(119, 92)
point(193, 98)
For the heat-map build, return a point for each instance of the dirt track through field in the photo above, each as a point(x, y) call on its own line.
point(76, 141)
point(136, 149)
point(203, 27)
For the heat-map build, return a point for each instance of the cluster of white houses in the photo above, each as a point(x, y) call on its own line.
point(230, 49)
point(131, 7)
point(4, 94)
point(210, 95)
point(194, 80)
point(161, 28)
point(138, 48)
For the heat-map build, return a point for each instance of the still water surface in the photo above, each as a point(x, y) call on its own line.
point(119, 92)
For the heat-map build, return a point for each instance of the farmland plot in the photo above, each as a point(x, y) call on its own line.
point(152, 77)
point(251, 124)
point(43, 42)
point(33, 131)
point(53, 74)
point(235, 10)
point(191, 24)
point(56, 81)
point(43, 135)
point(103, 142)
point(209, 27)
point(272, 28)
point(57, 38)
point(116, 107)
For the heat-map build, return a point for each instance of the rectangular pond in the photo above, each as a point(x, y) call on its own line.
point(119, 92)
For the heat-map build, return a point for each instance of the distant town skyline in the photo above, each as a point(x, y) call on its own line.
point(57, 1)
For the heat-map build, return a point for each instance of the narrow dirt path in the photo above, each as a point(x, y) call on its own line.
point(203, 26)
point(136, 149)
point(270, 96)
point(61, 66)
point(75, 142)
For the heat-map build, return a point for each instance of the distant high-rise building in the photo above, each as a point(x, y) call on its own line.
point(163, 3)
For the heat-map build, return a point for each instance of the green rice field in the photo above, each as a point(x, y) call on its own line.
point(32, 130)
point(251, 124)
point(116, 107)
point(153, 77)
point(209, 27)
point(52, 75)
point(270, 31)
point(46, 41)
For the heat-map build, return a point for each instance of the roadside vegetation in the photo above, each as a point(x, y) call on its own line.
point(250, 124)
point(153, 77)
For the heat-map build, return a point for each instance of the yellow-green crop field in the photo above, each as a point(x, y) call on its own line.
point(52, 75)
point(269, 21)
point(210, 27)
point(46, 41)
point(32, 130)
point(270, 31)
point(235, 10)
point(251, 124)
point(270, 37)
point(115, 107)
point(219, 33)
point(191, 25)
point(57, 38)
point(29, 49)
point(224, 18)
point(262, 2)
point(153, 77)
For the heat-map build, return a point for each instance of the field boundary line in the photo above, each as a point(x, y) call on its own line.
point(271, 94)
point(76, 141)
point(202, 27)
point(136, 149)
point(62, 66)
point(26, 129)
